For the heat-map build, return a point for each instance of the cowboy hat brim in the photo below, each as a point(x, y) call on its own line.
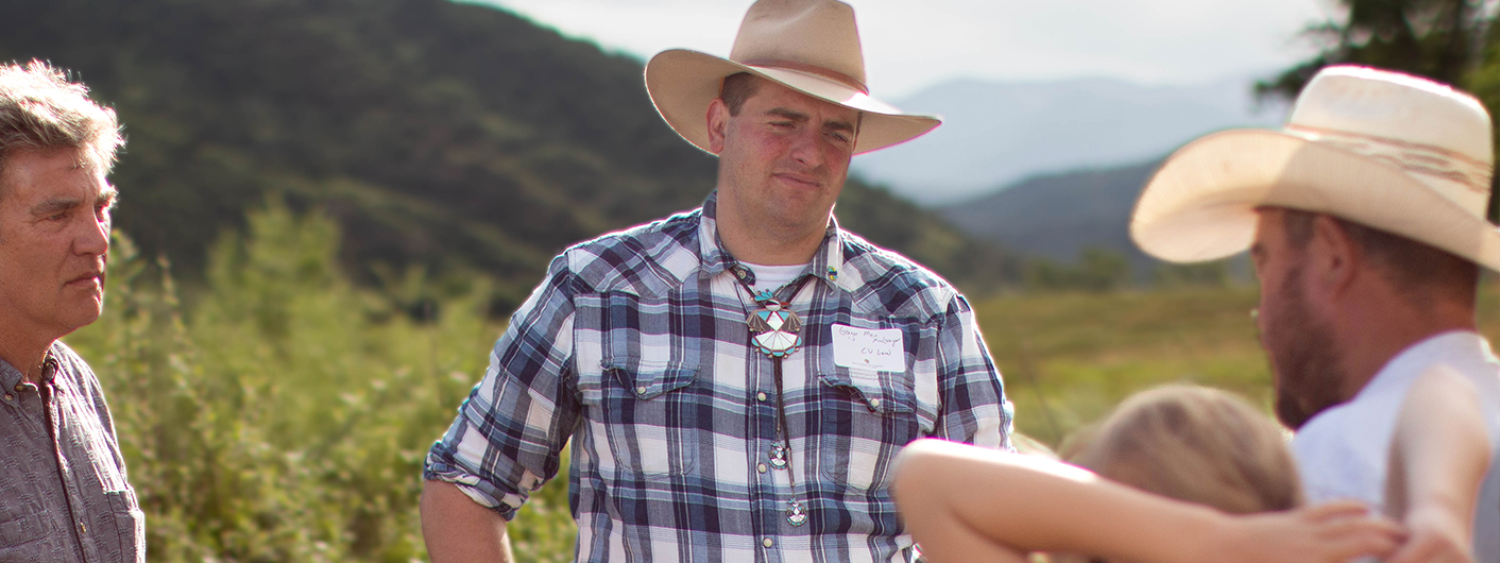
point(1200, 205)
point(682, 83)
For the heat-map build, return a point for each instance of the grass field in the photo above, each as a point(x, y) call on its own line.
point(1067, 358)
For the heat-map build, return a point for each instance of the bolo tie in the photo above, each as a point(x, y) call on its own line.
point(776, 331)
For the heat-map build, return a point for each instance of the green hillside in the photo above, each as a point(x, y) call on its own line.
point(453, 136)
point(1057, 216)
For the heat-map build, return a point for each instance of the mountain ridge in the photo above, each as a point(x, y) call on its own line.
point(1059, 216)
point(999, 133)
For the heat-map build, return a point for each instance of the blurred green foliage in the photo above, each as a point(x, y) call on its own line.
point(1438, 39)
point(1098, 269)
point(285, 415)
point(1169, 275)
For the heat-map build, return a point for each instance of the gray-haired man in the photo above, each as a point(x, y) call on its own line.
point(63, 492)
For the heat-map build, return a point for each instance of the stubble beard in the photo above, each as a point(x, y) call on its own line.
point(1305, 358)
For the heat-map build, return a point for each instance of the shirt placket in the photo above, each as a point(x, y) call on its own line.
point(765, 495)
point(768, 494)
point(52, 395)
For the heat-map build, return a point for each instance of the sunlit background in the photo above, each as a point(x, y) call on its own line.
point(330, 209)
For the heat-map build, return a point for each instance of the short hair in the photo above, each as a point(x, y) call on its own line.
point(737, 88)
point(741, 86)
point(41, 110)
point(1421, 271)
point(1197, 445)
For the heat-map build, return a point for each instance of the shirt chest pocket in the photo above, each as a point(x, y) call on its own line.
point(130, 523)
point(866, 415)
point(642, 408)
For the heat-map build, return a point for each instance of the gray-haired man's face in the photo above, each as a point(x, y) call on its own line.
point(54, 242)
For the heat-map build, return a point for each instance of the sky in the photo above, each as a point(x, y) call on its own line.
point(910, 45)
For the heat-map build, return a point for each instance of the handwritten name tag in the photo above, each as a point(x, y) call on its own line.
point(879, 349)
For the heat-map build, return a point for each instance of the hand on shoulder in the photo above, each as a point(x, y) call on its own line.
point(1333, 532)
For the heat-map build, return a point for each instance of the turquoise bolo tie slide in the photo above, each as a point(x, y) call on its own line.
point(776, 327)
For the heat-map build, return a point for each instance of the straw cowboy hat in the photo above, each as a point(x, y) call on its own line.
point(811, 46)
point(1389, 151)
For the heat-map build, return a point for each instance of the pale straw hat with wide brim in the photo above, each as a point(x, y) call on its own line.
point(1389, 151)
point(811, 46)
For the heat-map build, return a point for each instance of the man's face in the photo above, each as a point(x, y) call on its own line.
point(784, 158)
point(1299, 343)
point(54, 238)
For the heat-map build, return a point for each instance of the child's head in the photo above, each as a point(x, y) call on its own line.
point(1198, 445)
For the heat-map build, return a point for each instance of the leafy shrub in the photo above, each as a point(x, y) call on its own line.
point(284, 416)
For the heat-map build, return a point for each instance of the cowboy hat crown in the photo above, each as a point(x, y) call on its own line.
point(1386, 150)
point(811, 46)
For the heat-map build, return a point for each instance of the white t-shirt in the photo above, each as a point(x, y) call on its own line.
point(772, 277)
point(1343, 452)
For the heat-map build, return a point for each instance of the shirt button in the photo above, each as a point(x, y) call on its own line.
point(760, 397)
point(83, 528)
point(768, 542)
point(875, 403)
point(761, 467)
point(640, 390)
point(10, 397)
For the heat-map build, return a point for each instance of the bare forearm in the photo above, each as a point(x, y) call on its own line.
point(951, 493)
point(967, 504)
point(458, 530)
point(1441, 450)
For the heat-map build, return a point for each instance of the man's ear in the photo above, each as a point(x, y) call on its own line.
point(718, 121)
point(1333, 254)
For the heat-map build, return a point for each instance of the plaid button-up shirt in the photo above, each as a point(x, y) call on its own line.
point(636, 348)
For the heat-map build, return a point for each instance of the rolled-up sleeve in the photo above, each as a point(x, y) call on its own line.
point(974, 409)
point(509, 434)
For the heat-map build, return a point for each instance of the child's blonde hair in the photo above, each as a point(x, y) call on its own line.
point(1198, 445)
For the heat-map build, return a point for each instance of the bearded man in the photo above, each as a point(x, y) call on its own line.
point(1365, 218)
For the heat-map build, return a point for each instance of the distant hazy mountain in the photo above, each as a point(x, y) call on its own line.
point(995, 134)
point(1057, 216)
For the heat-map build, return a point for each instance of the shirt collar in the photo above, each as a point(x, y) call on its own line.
point(11, 378)
point(1461, 347)
point(826, 264)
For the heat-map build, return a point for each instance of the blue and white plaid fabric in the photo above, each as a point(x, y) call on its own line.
point(636, 348)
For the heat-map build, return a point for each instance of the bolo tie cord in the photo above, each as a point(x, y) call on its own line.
point(796, 516)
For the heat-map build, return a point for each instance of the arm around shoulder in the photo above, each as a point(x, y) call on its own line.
point(964, 503)
point(1440, 452)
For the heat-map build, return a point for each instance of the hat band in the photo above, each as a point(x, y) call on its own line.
point(810, 69)
point(1413, 158)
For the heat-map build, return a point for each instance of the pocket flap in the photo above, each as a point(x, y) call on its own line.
point(884, 392)
point(649, 383)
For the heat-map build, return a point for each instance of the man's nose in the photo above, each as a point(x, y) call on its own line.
point(806, 148)
point(93, 237)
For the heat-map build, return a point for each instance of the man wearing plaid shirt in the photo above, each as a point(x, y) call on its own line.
point(737, 380)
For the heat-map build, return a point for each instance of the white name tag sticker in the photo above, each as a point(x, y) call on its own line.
point(878, 349)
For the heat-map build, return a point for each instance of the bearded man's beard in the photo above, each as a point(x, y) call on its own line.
point(1303, 358)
